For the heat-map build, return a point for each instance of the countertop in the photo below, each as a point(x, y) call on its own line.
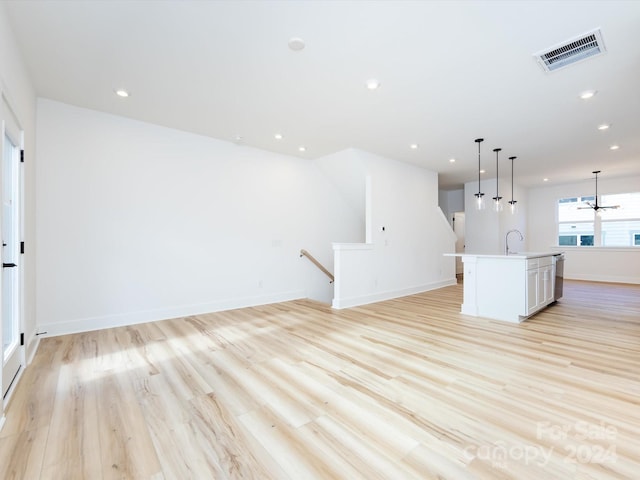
point(515, 256)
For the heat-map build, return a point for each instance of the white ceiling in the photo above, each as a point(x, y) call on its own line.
point(450, 72)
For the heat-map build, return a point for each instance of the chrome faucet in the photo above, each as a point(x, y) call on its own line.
point(506, 239)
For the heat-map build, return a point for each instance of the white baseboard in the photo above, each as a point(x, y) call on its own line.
point(382, 296)
point(120, 320)
point(603, 278)
point(32, 347)
point(14, 385)
point(30, 351)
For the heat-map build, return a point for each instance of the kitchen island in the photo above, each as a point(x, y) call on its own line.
point(508, 287)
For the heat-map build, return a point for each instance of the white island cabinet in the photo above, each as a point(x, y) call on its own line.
point(540, 279)
point(507, 287)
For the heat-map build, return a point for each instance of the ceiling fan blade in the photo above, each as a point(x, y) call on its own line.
point(595, 205)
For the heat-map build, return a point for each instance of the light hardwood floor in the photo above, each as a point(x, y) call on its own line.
point(402, 389)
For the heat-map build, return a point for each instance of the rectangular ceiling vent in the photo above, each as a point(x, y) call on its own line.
point(575, 50)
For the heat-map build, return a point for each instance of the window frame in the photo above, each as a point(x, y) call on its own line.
point(597, 223)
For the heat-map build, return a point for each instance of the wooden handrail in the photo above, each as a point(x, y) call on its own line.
point(304, 253)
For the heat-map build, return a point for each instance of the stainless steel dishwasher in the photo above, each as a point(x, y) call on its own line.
point(559, 262)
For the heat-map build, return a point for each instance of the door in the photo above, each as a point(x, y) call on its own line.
point(533, 290)
point(548, 278)
point(458, 228)
point(11, 341)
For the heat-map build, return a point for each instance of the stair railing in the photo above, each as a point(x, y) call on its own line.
point(304, 253)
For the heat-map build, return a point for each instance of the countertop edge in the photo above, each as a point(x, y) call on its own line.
point(515, 256)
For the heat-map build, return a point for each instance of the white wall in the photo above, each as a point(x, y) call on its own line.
point(17, 90)
point(485, 230)
point(407, 256)
point(451, 201)
point(138, 222)
point(349, 177)
point(608, 264)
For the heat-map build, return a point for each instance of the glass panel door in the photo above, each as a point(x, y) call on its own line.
point(10, 244)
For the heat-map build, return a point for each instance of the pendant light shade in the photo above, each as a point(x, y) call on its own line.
point(512, 203)
point(497, 204)
point(479, 196)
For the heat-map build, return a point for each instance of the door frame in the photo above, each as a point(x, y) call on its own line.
point(11, 127)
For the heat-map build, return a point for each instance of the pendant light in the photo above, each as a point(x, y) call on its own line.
point(512, 202)
point(479, 196)
point(497, 204)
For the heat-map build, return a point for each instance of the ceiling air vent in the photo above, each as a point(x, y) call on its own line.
point(572, 51)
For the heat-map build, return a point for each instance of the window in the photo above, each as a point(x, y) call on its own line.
point(576, 225)
point(572, 240)
point(575, 234)
point(580, 225)
point(618, 225)
point(619, 233)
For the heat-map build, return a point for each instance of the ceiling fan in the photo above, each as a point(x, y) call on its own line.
point(595, 205)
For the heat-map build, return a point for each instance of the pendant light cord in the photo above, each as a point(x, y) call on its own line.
point(478, 141)
point(512, 202)
point(497, 198)
point(512, 158)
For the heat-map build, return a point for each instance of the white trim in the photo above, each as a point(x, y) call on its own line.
point(382, 296)
point(120, 320)
point(12, 124)
point(602, 278)
point(14, 385)
point(13, 130)
point(32, 346)
point(596, 249)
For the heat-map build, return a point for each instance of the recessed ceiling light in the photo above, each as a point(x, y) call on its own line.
point(588, 94)
point(545, 179)
point(121, 92)
point(614, 147)
point(373, 84)
point(296, 44)
point(278, 136)
point(452, 160)
point(483, 171)
point(604, 126)
point(302, 148)
point(413, 146)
